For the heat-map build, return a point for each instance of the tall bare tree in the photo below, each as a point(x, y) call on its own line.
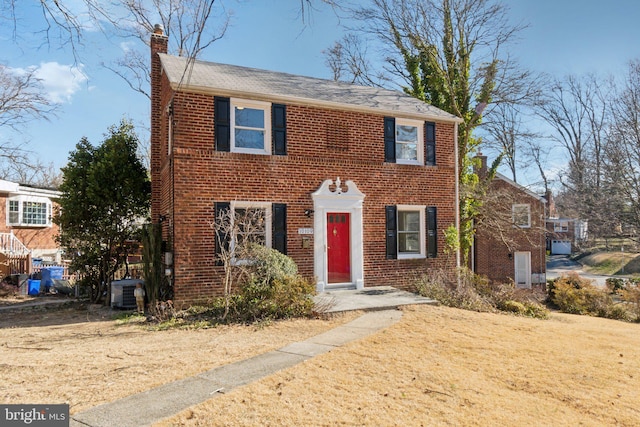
point(577, 110)
point(536, 153)
point(506, 133)
point(22, 98)
point(22, 101)
point(451, 54)
point(622, 177)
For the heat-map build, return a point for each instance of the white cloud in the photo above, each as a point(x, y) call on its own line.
point(60, 82)
point(127, 46)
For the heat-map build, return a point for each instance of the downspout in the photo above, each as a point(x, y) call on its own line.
point(457, 204)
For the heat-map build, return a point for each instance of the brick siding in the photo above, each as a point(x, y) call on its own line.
point(322, 144)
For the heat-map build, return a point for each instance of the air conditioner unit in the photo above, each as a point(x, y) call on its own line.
point(122, 293)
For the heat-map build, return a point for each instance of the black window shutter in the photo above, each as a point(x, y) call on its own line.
point(222, 236)
point(390, 139)
point(279, 225)
point(221, 121)
point(432, 232)
point(430, 143)
point(279, 129)
point(392, 232)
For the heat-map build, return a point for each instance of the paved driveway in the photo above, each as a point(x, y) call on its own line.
point(557, 265)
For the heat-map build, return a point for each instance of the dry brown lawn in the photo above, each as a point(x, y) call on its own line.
point(437, 366)
point(84, 358)
point(443, 366)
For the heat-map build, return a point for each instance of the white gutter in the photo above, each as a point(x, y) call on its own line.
point(456, 154)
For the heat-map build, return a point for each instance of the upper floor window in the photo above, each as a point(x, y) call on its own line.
point(409, 145)
point(251, 126)
point(28, 212)
point(521, 214)
point(411, 142)
point(562, 226)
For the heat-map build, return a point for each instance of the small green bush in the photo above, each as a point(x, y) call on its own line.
point(274, 289)
point(288, 297)
point(614, 284)
point(269, 264)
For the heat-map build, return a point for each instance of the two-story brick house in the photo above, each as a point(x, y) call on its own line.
point(357, 184)
point(510, 242)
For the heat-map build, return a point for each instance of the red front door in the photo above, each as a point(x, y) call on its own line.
point(338, 248)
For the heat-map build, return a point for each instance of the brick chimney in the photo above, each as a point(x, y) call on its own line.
point(551, 205)
point(159, 43)
point(480, 167)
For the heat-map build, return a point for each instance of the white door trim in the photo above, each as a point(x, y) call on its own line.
point(522, 267)
point(336, 196)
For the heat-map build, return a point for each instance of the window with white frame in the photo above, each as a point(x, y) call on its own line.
point(251, 223)
point(561, 226)
point(409, 141)
point(28, 212)
point(411, 231)
point(521, 214)
point(251, 126)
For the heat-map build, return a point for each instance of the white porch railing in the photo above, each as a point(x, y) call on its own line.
point(11, 245)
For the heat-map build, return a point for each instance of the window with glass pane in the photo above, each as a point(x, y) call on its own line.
point(409, 232)
point(406, 142)
point(34, 213)
point(14, 212)
point(521, 216)
point(249, 127)
point(250, 225)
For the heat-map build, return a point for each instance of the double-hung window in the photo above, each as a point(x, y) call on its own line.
point(521, 215)
point(251, 223)
point(241, 222)
point(409, 142)
point(411, 232)
point(29, 212)
point(251, 126)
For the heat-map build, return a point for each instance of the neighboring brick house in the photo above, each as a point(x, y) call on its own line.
point(563, 233)
point(357, 183)
point(28, 228)
point(510, 244)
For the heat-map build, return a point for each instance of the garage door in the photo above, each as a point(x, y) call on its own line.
point(561, 247)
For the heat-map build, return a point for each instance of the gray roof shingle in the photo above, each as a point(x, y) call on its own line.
point(251, 83)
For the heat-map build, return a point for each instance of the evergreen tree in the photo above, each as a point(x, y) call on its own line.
point(105, 199)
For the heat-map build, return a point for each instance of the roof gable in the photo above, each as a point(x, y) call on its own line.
point(520, 187)
point(231, 80)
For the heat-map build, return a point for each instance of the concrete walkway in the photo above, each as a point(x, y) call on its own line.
point(149, 407)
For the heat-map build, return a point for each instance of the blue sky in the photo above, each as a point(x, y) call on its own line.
point(563, 37)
